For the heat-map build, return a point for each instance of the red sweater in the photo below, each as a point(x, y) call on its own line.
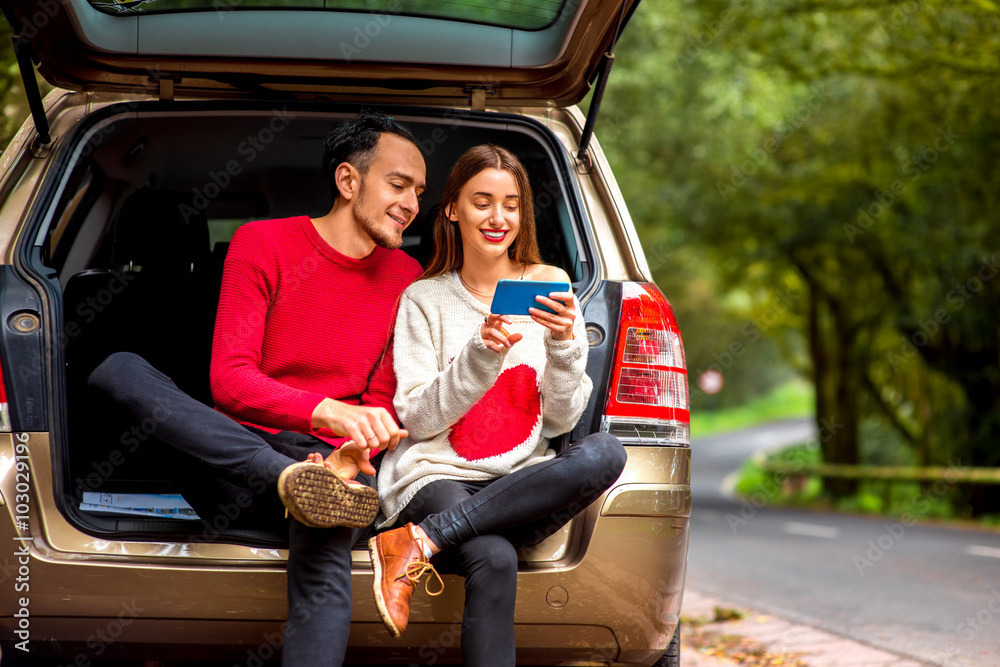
point(299, 322)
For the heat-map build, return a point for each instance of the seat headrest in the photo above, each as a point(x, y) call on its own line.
point(160, 230)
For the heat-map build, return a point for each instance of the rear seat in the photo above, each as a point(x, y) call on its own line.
point(156, 300)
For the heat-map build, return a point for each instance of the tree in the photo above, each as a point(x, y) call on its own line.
point(842, 150)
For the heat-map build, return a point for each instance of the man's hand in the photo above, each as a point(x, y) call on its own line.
point(369, 427)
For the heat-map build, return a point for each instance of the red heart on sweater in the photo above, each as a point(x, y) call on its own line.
point(502, 419)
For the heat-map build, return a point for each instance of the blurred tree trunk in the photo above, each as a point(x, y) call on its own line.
point(836, 383)
point(844, 425)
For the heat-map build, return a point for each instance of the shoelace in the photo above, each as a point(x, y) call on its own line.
point(418, 568)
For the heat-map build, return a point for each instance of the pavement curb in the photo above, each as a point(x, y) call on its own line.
point(811, 647)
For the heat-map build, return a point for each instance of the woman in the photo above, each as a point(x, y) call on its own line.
point(481, 395)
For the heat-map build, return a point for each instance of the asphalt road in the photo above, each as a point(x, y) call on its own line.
point(926, 592)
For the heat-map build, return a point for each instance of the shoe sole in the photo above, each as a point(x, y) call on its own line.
point(318, 498)
point(377, 586)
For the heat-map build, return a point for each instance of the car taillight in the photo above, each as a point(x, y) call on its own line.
point(4, 411)
point(648, 400)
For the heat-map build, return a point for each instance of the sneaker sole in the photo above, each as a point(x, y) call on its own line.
point(377, 586)
point(318, 498)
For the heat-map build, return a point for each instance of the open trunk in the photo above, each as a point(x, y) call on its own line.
point(147, 197)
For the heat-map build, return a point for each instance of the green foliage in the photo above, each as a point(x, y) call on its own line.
point(12, 98)
point(921, 501)
point(790, 400)
point(883, 445)
point(751, 477)
point(910, 501)
point(802, 453)
point(906, 500)
point(864, 502)
point(777, 489)
point(723, 614)
point(830, 164)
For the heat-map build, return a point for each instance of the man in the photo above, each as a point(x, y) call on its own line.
point(301, 359)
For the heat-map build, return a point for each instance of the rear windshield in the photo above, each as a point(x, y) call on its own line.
point(517, 14)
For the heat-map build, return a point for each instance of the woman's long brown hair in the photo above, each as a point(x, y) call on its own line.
point(448, 240)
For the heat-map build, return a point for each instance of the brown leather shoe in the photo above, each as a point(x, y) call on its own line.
point(399, 564)
point(317, 497)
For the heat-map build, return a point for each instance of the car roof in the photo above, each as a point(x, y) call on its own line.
point(530, 52)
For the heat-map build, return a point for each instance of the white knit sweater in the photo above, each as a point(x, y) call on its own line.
point(473, 413)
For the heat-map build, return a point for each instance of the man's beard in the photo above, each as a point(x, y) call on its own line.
point(379, 235)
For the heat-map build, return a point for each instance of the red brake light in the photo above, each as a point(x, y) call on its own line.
point(648, 399)
point(4, 409)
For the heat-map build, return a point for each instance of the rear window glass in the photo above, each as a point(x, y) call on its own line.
point(517, 14)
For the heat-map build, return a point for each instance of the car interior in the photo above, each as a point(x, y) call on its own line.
point(138, 238)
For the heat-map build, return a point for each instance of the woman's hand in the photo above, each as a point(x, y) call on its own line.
point(494, 334)
point(559, 323)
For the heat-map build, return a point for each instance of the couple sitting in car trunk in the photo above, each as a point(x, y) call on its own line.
point(309, 375)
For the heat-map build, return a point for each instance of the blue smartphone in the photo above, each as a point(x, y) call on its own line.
point(514, 297)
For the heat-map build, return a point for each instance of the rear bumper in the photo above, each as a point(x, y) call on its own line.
point(609, 593)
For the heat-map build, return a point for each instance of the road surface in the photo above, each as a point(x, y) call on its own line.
point(926, 592)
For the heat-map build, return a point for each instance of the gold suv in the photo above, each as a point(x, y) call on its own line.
point(171, 123)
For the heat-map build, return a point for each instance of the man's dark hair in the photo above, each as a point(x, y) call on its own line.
point(355, 141)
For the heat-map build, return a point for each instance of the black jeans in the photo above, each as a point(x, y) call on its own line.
point(231, 463)
point(478, 526)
